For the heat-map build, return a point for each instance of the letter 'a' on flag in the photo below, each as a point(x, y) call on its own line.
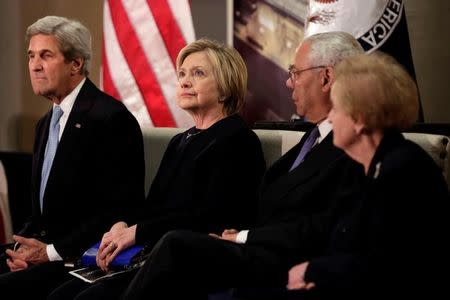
point(141, 41)
point(377, 24)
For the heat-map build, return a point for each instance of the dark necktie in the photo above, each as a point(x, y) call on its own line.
point(310, 141)
point(52, 144)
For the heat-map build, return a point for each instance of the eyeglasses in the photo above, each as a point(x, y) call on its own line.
point(295, 74)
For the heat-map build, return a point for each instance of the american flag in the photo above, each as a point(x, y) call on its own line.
point(141, 40)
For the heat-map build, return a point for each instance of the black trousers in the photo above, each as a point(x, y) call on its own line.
point(35, 282)
point(108, 288)
point(188, 265)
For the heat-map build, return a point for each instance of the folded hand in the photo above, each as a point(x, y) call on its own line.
point(113, 242)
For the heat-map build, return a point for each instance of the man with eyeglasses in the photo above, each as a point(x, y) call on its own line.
point(298, 198)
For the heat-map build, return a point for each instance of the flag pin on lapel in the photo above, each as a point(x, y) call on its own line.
point(78, 125)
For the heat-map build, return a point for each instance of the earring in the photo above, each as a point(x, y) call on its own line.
point(222, 99)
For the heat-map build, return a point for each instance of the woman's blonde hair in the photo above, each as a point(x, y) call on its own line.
point(378, 89)
point(229, 68)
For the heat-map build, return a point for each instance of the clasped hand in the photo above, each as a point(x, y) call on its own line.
point(30, 251)
point(297, 278)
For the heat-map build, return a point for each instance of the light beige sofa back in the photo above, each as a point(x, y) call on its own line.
point(276, 143)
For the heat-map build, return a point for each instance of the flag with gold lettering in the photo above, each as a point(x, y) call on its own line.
point(377, 24)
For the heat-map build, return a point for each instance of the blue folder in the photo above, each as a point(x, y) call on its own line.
point(126, 258)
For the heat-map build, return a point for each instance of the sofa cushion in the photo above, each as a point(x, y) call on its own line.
point(277, 142)
point(155, 143)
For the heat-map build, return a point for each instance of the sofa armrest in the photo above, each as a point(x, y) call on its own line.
point(437, 146)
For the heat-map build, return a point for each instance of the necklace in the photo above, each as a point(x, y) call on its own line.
point(189, 135)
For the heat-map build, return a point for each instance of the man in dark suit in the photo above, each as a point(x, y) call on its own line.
point(88, 161)
point(299, 196)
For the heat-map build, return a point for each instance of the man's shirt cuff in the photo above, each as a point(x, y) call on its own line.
point(241, 237)
point(52, 254)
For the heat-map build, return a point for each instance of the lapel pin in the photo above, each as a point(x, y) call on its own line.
point(78, 125)
point(377, 170)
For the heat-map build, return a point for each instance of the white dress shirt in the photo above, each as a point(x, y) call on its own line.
point(66, 106)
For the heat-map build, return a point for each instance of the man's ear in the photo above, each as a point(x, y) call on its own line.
point(327, 79)
point(77, 65)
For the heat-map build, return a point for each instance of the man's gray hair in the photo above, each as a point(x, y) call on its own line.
point(73, 37)
point(329, 48)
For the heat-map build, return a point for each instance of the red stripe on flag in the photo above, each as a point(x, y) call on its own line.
point(168, 27)
point(140, 68)
point(108, 84)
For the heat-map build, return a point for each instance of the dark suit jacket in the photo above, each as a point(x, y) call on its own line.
point(97, 173)
point(297, 207)
point(394, 239)
point(206, 183)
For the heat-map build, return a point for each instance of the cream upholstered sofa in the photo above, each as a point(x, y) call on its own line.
point(276, 142)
